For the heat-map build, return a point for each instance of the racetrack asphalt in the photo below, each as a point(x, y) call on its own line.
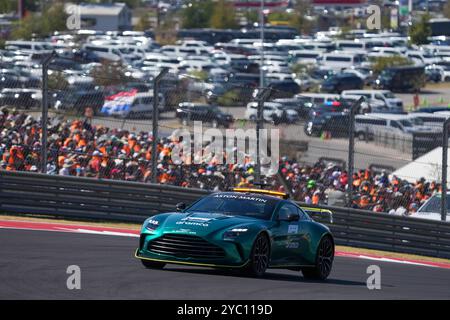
point(33, 265)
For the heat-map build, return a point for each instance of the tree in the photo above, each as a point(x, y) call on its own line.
point(57, 81)
point(144, 22)
point(224, 16)
point(299, 18)
point(421, 30)
point(109, 74)
point(447, 9)
point(41, 25)
point(197, 14)
point(381, 63)
point(7, 6)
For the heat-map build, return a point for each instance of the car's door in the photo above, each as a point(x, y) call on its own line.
point(288, 237)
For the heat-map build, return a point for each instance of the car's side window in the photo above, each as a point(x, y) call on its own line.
point(287, 209)
point(302, 215)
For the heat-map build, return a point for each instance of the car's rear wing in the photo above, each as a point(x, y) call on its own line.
point(319, 215)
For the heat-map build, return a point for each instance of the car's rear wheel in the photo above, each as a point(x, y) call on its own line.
point(259, 257)
point(149, 264)
point(324, 261)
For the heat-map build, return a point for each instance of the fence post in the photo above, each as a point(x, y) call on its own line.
point(262, 97)
point(444, 170)
point(351, 148)
point(44, 116)
point(155, 120)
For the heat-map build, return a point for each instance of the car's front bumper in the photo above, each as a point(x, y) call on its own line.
point(233, 254)
point(139, 255)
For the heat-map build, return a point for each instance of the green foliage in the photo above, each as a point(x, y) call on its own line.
point(447, 9)
point(144, 22)
point(381, 63)
point(166, 34)
point(230, 98)
point(298, 18)
point(300, 68)
point(279, 16)
point(200, 75)
point(421, 30)
point(252, 16)
point(109, 74)
point(41, 25)
point(57, 81)
point(7, 6)
point(197, 14)
point(223, 16)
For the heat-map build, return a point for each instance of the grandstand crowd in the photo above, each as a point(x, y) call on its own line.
point(77, 148)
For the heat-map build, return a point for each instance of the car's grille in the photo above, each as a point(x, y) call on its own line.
point(185, 246)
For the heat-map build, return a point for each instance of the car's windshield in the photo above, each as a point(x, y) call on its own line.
point(434, 204)
point(389, 95)
point(406, 123)
point(236, 205)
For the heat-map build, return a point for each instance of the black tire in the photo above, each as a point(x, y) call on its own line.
point(259, 257)
point(324, 261)
point(149, 264)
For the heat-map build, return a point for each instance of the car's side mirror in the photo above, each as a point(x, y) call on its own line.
point(181, 206)
point(288, 216)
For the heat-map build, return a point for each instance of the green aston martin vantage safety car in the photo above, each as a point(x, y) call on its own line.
point(249, 229)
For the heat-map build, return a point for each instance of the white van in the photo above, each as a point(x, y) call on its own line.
point(433, 120)
point(340, 60)
point(368, 125)
point(181, 52)
point(304, 56)
point(28, 46)
point(422, 57)
point(358, 45)
point(135, 106)
point(378, 99)
point(160, 60)
point(104, 52)
point(317, 98)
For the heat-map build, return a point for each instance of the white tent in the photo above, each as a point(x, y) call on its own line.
point(428, 166)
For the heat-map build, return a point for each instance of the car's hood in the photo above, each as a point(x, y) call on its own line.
point(201, 223)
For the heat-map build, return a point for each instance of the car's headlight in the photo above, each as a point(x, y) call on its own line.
point(234, 233)
point(152, 224)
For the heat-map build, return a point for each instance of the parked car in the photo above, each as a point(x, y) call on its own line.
point(378, 99)
point(366, 126)
point(78, 101)
point(21, 98)
point(340, 82)
point(188, 111)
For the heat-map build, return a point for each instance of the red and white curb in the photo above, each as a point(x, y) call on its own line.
point(60, 227)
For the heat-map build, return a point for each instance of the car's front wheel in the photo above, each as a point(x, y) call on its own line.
point(259, 257)
point(324, 261)
point(149, 264)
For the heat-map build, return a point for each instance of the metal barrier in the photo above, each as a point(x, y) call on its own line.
point(74, 197)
